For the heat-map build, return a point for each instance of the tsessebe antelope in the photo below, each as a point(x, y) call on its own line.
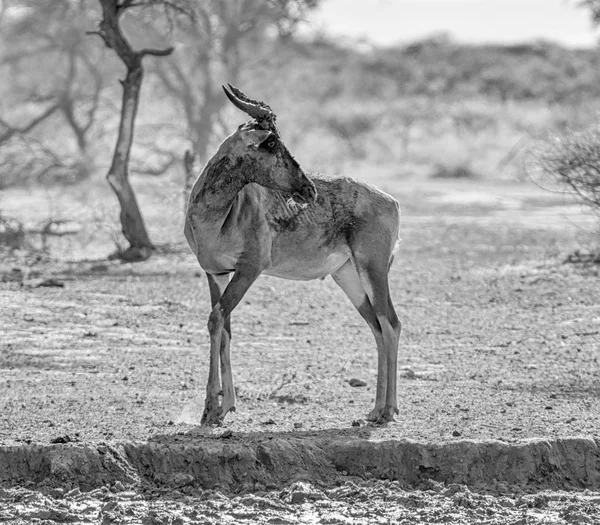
point(253, 210)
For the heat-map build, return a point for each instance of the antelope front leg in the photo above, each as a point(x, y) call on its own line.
point(220, 330)
point(228, 403)
point(212, 409)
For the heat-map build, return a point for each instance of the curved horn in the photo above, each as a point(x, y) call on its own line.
point(257, 110)
point(242, 96)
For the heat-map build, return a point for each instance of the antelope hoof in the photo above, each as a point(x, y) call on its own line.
point(381, 416)
point(375, 414)
point(388, 413)
point(213, 414)
point(214, 418)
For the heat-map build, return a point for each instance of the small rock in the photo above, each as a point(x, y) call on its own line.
point(57, 283)
point(109, 506)
point(73, 493)
point(298, 425)
point(55, 515)
point(227, 434)
point(359, 423)
point(300, 492)
point(408, 373)
point(268, 422)
point(57, 492)
point(16, 275)
point(456, 433)
point(118, 486)
point(355, 382)
point(455, 488)
point(432, 485)
point(61, 439)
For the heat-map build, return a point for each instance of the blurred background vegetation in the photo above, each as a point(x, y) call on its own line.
point(433, 109)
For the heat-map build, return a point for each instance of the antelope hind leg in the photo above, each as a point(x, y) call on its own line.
point(348, 279)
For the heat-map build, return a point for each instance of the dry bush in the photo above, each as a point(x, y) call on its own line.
point(25, 160)
point(572, 160)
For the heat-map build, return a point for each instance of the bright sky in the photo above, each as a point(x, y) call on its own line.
point(387, 22)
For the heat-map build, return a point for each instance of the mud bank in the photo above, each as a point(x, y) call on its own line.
point(244, 464)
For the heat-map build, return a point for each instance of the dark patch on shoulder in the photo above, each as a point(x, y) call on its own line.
point(214, 171)
point(344, 220)
point(225, 175)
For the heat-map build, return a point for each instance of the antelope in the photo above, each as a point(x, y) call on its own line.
point(253, 210)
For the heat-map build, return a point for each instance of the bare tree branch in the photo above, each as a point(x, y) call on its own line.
point(156, 52)
point(126, 4)
point(13, 130)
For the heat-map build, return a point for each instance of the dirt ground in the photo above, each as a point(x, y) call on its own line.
point(500, 341)
point(500, 338)
point(354, 502)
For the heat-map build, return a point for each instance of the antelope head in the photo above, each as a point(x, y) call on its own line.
point(262, 156)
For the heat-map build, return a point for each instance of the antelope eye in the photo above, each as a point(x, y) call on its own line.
point(271, 143)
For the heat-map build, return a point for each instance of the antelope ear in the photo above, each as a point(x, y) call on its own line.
point(255, 137)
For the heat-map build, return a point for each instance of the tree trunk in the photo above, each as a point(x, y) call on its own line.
point(132, 222)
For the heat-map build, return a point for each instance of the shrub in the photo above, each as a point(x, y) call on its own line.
point(573, 161)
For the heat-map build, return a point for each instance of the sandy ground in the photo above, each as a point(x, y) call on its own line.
point(500, 338)
point(500, 341)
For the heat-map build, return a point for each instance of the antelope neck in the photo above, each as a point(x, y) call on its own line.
point(223, 180)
